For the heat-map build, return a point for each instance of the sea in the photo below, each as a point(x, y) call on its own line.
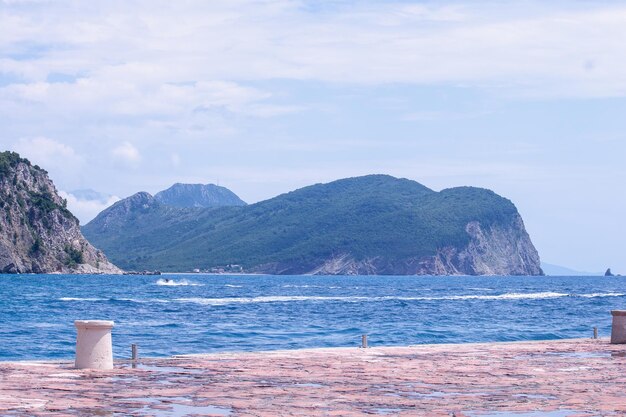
point(185, 314)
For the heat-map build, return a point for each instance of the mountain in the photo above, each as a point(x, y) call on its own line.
point(198, 195)
point(129, 218)
point(375, 224)
point(557, 270)
point(37, 232)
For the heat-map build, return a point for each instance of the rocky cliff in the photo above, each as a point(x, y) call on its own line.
point(37, 232)
point(498, 250)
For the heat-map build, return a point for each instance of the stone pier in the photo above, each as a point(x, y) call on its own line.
point(572, 378)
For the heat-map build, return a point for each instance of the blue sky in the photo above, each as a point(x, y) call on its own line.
point(526, 98)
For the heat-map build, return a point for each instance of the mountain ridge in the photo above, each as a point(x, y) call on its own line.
point(375, 224)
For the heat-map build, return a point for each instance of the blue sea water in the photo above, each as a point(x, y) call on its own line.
point(208, 313)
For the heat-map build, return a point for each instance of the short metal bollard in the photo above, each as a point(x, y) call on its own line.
point(595, 332)
point(618, 328)
point(94, 348)
point(364, 341)
point(133, 356)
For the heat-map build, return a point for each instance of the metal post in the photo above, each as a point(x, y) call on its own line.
point(595, 332)
point(364, 341)
point(133, 349)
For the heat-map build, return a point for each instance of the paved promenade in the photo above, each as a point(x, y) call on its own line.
point(527, 379)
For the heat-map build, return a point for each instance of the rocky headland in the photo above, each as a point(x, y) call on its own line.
point(37, 232)
point(376, 224)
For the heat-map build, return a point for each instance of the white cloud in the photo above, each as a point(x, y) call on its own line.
point(110, 97)
point(47, 152)
point(143, 49)
point(127, 152)
point(87, 209)
point(63, 163)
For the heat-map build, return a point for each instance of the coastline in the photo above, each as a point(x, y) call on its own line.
point(571, 377)
point(308, 350)
point(307, 275)
point(304, 351)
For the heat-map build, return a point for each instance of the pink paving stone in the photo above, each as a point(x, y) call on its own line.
point(582, 378)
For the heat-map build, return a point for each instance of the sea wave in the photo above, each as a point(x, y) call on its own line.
point(599, 294)
point(265, 299)
point(174, 283)
point(301, 286)
point(346, 299)
point(81, 299)
point(357, 299)
point(139, 300)
point(233, 286)
point(332, 287)
point(113, 300)
point(506, 296)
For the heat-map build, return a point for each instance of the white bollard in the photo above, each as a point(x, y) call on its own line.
point(94, 348)
point(618, 329)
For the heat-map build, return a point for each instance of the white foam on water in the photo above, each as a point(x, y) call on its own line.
point(598, 294)
point(174, 283)
point(131, 300)
point(47, 325)
point(506, 296)
point(309, 286)
point(141, 301)
point(356, 299)
point(347, 299)
point(80, 299)
point(300, 286)
point(233, 286)
point(266, 299)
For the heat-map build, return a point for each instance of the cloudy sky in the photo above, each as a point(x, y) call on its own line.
point(527, 98)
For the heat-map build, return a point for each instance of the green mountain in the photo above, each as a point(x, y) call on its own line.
point(375, 224)
point(198, 195)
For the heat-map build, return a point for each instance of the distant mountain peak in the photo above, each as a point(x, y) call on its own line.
point(198, 195)
point(141, 196)
point(140, 200)
point(128, 208)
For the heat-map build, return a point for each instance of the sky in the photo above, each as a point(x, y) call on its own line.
point(526, 98)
